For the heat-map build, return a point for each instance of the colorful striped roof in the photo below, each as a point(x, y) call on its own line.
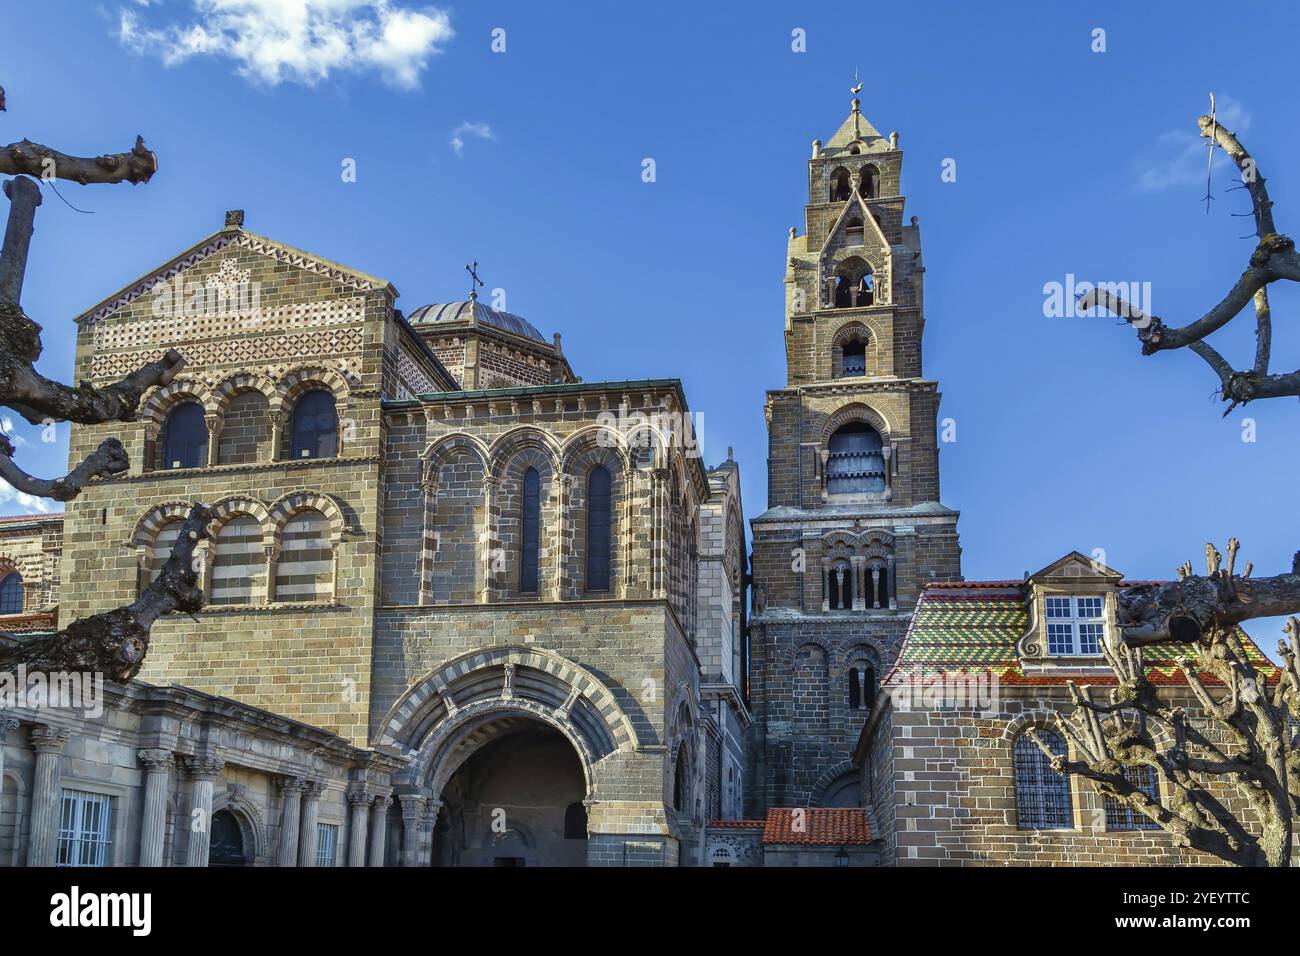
point(971, 628)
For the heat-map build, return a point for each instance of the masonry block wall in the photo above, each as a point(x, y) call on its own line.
point(953, 799)
point(260, 324)
point(32, 548)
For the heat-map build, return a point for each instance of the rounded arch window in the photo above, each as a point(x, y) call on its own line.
point(185, 437)
point(853, 358)
point(855, 461)
point(530, 542)
point(599, 484)
point(854, 284)
point(11, 593)
point(840, 189)
point(315, 425)
point(681, 781)
point(853, 232)
point(868, 181)
point(1042, 794)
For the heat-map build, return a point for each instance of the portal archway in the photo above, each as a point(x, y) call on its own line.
point(511, 799)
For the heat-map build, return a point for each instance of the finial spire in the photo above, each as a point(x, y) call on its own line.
point(474, 280)
point(857, 103)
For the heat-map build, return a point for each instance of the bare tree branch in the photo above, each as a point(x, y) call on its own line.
point(114, 643)
point(136, 166)
point(1273, 259)
point(107, 461)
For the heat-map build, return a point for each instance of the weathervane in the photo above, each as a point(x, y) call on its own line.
point(474, 280)
point(857, 84)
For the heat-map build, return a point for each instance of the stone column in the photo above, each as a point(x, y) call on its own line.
point(861, 601)
point(891, 568)
point(292, 788)
point(412, 816)
point(158, 766)
point(379, 829)
point(48, 742)
point(875, 588)
point(204, 771)
point(6, 724)
point(489, 488)
point(307, 832)
point(214, 437)
point(359, 800)
point(431, 808)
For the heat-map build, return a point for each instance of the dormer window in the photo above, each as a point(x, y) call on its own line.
point(1075, 624)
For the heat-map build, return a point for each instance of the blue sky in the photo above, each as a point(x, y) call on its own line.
point(1068, 161)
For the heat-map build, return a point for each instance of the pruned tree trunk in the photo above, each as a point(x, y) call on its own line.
point(1241, 741)
point(113, 643)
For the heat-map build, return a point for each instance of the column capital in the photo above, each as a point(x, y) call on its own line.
point(8, 723)
point(48, 740)
point(157, 760)
point(382, 802)
point(359, 796)
point(291, 783)
point(412, 805)
point(312, 788)
point(205, 766)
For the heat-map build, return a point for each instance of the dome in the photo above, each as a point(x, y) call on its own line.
point(457, 311)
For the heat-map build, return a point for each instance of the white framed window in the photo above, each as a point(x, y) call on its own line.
point(1075, 624)
point(327, 841)
point(85, 828)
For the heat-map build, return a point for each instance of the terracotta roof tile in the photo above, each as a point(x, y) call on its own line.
point(819, 826)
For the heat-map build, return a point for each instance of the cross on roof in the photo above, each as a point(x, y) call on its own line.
point(474, 280)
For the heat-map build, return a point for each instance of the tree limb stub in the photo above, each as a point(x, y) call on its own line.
point(107, 461)
point(136, 166)
point(114, 643)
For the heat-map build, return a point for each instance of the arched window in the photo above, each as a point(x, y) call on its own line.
point(721, 857)
point(855, 689)
point(575, 821)
point(868, 181)
point(238, 562)
point(854, 284)
point(1042, 794)
point(305, 569)
point(853, 358)
point(853, 232)
point(11, 593)
point(839, 185)
point(530, 532)
point(856, 462)
point(862, 686)
point(598, 529)
point(315, 425)
point(681, 783)
point(185, 437)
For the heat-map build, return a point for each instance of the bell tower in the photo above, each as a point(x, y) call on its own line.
point(854, 527)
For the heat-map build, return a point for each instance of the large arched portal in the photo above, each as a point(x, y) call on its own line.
point(516, 800)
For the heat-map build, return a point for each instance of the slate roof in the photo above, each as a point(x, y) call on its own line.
point(971, 627)
point(465, 309)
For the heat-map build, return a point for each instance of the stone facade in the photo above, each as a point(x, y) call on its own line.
point(449, 581)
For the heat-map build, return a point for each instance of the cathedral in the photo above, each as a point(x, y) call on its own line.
point(467, 608)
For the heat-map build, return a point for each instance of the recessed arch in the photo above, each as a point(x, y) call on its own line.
point(289, 505)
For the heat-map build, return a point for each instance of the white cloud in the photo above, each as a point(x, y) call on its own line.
point(1178, 157)
point(7, 426)
point(481, 130)
point(28, 504)
point(300, 41)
